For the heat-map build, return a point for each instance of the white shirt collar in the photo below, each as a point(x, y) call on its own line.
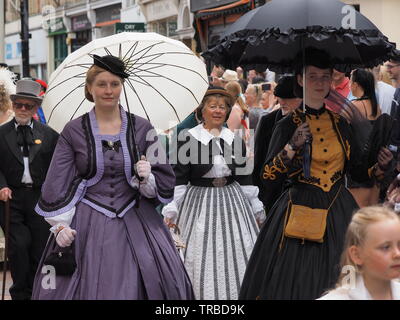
point(202, 135)
point(29, 124)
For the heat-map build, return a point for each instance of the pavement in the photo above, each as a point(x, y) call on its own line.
point(8, 283)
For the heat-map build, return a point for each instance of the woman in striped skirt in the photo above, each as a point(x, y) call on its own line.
point(215, 206)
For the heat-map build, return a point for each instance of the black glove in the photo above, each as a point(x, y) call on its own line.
point(385, 157)
point(300, 136)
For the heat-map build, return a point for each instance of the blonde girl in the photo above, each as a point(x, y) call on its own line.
point(371, 259)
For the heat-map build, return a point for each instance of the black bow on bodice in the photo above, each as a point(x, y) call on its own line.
point(111, 145)
point(24, 138)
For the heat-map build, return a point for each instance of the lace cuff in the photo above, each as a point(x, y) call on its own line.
point(147, 188)
point(251, 193)
point(63, 220)
point(170, 211)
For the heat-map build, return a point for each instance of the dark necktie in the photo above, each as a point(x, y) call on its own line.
point(24, 138)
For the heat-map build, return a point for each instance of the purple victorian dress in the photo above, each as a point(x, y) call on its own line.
point(122, 251)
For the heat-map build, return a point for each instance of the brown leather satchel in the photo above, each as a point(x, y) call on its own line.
point(307, 223)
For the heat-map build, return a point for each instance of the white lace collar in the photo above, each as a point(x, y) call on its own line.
point(202, 135)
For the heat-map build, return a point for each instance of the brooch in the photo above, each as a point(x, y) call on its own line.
point(38, 141)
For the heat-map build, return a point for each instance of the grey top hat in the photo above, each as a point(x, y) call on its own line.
point(27, 89)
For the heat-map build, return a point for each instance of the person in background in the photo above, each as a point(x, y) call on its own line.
point(341, 83)
point(362, 85)
point(287, 102)
point(251, 74)
point(238, 118)
point(384, 92)
point(7, 87)
point(270, 76)
point(370, 261)
point(393, 69)
point(268, 100)
point(26, 149)
point(216, 74)
point(40, 113)
point(229, 75)
point(253, 96)
point(240, 72)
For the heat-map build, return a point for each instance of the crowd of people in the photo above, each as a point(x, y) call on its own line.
point(266, 194)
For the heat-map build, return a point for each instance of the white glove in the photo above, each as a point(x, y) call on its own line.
point(65, 237)
point(143, 168)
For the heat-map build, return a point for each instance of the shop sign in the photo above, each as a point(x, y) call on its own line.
point(172, 26)
point(55, 26)
point(80, 23)
point(109, 13)
point(130, 27)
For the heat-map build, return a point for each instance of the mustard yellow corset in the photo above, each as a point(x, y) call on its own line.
point(327, 156)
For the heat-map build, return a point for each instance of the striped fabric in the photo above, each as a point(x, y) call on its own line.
point(219, 229)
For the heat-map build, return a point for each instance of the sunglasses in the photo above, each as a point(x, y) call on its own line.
point(27, 106)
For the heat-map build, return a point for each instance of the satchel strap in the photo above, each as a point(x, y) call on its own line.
point(330, 205)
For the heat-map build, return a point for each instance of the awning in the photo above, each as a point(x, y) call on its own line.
point(236, 7)
point(107, 23)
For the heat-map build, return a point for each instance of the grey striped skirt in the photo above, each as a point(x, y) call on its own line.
point(219, 229)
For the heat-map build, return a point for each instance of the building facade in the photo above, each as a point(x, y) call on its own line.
point(161, 16)
point(385, 14)
point(212, 17)
point(59, 27)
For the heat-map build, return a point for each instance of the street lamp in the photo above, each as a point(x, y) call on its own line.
point(25, 35)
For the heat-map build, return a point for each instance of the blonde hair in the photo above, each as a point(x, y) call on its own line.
point(5, 101)
point(234, 88)
point(357, 231)
point(257, 90)
point(91, 74)
point(7, 87)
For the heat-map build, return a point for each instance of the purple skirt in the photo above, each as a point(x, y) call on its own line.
point(121, 259)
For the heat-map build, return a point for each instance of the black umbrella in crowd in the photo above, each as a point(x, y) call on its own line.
point(273, 35)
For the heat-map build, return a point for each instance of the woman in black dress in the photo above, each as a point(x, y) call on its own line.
point(297, 252)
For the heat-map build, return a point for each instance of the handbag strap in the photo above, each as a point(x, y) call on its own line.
point(330, 205)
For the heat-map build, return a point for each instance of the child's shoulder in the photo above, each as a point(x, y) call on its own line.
point(336, 294)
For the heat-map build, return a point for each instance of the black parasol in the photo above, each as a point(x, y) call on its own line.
point(273, 35)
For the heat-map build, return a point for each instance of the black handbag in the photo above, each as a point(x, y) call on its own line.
point(62, 259)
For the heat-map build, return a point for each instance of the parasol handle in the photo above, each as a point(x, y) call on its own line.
point(133, 134)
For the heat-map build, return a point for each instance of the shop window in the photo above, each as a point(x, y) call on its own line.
point(82, 38)
point(60, 49)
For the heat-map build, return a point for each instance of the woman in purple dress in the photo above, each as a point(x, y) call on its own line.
point(103, 208)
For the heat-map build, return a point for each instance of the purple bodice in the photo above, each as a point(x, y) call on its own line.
point(112, 193)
